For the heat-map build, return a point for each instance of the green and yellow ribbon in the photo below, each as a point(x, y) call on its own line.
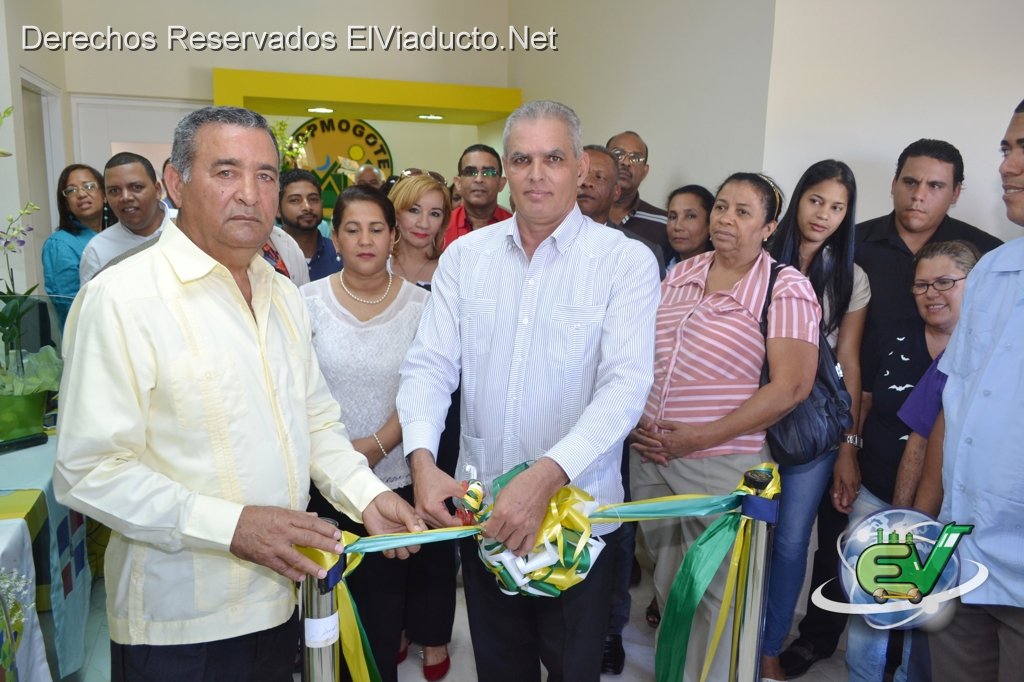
point(564, 553)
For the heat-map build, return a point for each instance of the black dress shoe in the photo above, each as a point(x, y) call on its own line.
point(798, 658)
point(614, 658)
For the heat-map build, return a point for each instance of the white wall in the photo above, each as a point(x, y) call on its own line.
point(101, 122)
point(712, 86)
point(860, 81)
point(690, 76)
point(188, 75)
point(20, 179)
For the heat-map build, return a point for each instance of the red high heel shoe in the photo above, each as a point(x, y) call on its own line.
point(437, 671)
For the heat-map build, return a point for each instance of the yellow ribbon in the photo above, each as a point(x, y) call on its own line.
point(357, 658)
point(566, 528)
point(736, 578)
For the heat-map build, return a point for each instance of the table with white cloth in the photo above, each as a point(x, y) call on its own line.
point(58, 543)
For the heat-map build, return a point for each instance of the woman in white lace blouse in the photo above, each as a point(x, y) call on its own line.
point(363, 320)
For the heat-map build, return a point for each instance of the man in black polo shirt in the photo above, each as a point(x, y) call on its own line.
point(929, 175)
point(629, 210)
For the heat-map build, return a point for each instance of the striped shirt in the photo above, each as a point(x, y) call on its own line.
point(709, 350)
point(555, 351)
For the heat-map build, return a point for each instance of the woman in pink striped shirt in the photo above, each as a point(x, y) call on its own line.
point(706, 415)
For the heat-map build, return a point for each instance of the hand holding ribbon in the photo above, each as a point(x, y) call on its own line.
point(521, 504)
point(431, 489)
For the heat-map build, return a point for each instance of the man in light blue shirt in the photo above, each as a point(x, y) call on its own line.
point(549, 318)
point(983, 451)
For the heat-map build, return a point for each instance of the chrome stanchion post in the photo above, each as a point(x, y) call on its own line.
point(321, 651)
point(764, 513)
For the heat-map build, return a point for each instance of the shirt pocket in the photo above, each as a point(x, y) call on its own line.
point(477, 317)
point(206, 391)
point(576, 331)
point(574, 350)
point(975, 345)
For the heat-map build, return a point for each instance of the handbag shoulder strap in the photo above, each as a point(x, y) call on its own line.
point(772, 276)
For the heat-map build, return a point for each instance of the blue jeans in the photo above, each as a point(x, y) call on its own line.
point(802, 487)
point(868, 654)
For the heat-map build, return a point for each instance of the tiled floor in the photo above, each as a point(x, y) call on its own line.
point(638, 639)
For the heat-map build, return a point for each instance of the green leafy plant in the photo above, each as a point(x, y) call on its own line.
point(20, 374)
point(290, 147)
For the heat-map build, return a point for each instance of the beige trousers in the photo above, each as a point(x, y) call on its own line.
point(669, 539)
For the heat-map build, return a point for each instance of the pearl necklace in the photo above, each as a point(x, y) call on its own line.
point(341, 279)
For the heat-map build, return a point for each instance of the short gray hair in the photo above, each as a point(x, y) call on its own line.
point(601, 149)
point(183, 150)
point(544, 108)
point(370, 167)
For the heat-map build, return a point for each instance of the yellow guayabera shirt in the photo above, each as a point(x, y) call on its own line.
point(178, 407)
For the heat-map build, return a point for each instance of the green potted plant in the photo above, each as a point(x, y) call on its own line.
point(30, 365)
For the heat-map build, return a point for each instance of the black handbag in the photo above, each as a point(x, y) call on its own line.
point(816, 425)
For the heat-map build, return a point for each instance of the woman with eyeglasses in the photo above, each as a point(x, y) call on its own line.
point(938, 288)
point(81, 213)
point(422, 207)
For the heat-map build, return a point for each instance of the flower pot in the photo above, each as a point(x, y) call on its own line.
point(21, 415)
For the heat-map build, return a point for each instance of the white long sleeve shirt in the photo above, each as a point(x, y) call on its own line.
point(555, 351)
point(179, 406)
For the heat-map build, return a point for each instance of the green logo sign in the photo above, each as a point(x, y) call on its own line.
point(893, 569)
point(336, 148)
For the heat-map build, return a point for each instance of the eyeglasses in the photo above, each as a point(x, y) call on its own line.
point(941, 284)
point(473, 171)
point(87, 186)
point(410, 172)
point(632, 158)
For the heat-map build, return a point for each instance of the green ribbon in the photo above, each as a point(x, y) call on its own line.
point(667, 508)
point(698, 569)
point(701, 563)
point(381, 543)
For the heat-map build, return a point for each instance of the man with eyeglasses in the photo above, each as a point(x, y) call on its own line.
point(629, 210)
point(479, 181)
point(133, 193)
point(927, 183)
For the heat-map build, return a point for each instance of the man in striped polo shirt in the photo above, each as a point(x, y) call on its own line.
point(629, 210)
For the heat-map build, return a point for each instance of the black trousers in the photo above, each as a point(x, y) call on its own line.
point(267, 656)
point(391, 594)
point(514, 635)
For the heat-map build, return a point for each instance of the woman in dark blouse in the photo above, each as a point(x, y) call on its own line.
point(906, 353)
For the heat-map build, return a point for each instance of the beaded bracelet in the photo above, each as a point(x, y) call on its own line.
point(383, 452)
